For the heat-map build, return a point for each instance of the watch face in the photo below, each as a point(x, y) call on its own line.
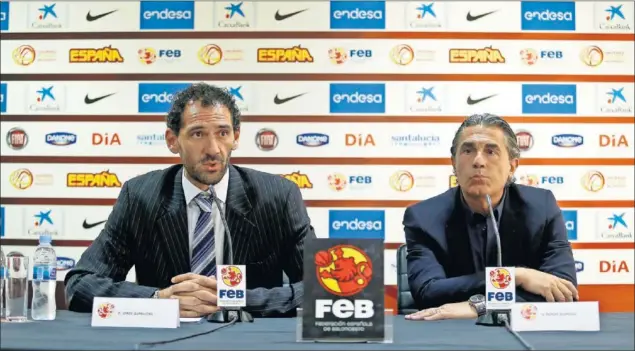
point(477, 298)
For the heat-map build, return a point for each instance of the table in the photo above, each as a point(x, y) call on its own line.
point(72, 331)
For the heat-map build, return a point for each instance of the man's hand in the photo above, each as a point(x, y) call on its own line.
point(196, 294)
point(548, 286)
point(460, 310)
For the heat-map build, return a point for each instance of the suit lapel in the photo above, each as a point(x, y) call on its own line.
point(239, 220)
point(172, 225)
point(459, 245)
point(512, 229)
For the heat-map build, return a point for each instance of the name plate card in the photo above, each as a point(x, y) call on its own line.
point(135, 312)
point(556, 316)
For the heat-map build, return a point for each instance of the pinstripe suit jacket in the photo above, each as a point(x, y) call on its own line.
point(147, 229)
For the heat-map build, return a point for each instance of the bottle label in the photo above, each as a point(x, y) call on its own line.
point(1, 272)
point(44, 273)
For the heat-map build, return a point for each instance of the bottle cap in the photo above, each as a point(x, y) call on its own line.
point(45, 239)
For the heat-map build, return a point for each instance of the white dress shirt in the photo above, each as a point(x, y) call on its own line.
point(191, 191)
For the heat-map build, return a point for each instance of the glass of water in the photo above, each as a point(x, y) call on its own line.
point(17, 289)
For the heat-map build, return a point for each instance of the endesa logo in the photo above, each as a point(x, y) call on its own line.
point(358, 15)
point(3, 97)
point(167, 15)
point(4, 16)
point(157, 97)
point(361, 224)
point(357, 98)
point(548, 15)
point(549, 98)
point(571, 223)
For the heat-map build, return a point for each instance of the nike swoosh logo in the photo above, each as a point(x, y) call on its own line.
point(89, 101)
point(91, 18)
point(476, 101)
point(471, 18)
point(280, 17)
point(91, 225)
point(279, 101)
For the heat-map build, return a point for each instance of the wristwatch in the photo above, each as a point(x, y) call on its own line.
point(478, 302)
point(156, 294)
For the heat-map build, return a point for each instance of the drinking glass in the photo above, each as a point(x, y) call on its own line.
point(17, 289)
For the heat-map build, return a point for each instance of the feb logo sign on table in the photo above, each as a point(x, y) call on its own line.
point(232, 285)
point(344, 290)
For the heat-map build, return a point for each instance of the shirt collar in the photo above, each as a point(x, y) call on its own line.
point(498, 210)
point(191, 190)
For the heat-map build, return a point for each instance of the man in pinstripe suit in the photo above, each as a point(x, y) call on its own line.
point(165, 224)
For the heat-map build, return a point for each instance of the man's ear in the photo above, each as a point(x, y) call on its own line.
point(513, 165)
point(171, 140)
point(236, 138)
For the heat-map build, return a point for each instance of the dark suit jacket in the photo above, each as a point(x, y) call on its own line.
point(147, 228)
point(440, 266)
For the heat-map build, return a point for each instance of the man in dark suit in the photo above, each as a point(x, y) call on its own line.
point(450, 242)
point(166, 225)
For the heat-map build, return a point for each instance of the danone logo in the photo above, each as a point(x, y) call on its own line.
point(65, 263)
point(61, 138)
point(312, 139)
point(567, 140)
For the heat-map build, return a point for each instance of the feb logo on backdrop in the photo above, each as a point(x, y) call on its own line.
point(344, 290)
point(500, 288)
point(232, 286)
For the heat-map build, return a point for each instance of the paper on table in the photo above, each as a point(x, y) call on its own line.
point(190, 320)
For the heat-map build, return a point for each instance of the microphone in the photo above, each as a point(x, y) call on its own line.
point(224, 314)
point(497, 316)
point(499, 253)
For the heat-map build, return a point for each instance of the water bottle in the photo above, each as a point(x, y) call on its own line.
point(43, 306)
point(2, 265)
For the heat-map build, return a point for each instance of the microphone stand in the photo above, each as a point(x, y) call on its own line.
point(227, 314)
point(495, 317)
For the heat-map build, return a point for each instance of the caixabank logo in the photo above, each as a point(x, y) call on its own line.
point(344, 289)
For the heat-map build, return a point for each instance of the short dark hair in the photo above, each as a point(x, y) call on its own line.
point(208, 95)
point(489, 120)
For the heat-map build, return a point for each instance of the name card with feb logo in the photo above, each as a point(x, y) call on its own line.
point(556, 316)
point(135, 312)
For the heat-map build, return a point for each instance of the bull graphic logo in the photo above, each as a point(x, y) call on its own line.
point(500, 278)
point(343, 270)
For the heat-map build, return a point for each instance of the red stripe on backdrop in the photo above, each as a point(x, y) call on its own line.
point(578, 78)
point(308, 203)
point(324, 35)
point(387, 246)
point(324, 119)
point(311, 160)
